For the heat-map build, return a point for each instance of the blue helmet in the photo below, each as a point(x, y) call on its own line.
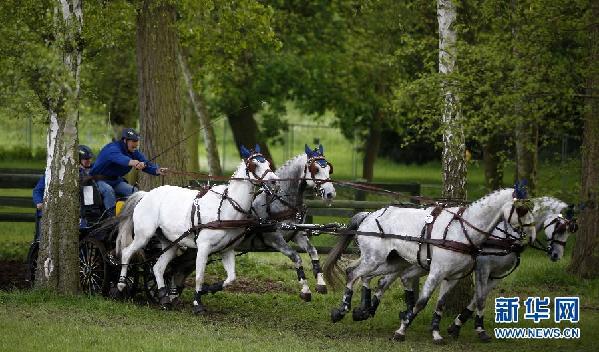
point(85, 152)
point(129, 133)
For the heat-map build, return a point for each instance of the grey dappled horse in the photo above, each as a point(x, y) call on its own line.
point(380, 255)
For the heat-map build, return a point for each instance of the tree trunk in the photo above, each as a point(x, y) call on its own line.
point(192, 124)
point(246, 132)
point(585, 256)
point(159, 105)
point(527, 139)
point(492, 162)
point(454, 147)
point(372, 146)
point(58, 259)
point(199, 108)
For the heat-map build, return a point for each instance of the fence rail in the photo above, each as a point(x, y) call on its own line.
point(344, 208)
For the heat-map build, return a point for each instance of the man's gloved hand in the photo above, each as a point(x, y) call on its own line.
point(162, 171)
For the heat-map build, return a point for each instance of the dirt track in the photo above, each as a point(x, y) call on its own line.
point(12, 275)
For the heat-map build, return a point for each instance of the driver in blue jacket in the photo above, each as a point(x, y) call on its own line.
point(85, 165)
point(114, 161)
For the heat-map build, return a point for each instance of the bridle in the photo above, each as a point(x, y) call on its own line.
point(312, 168)
point(521, 207)
point(561, 225)
point(250, 167)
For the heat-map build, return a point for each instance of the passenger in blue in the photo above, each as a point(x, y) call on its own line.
point(85, 165)
point(114, 161)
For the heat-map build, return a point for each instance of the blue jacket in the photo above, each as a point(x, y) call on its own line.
point(113, 161)
point(40, 187)
point(38, 191)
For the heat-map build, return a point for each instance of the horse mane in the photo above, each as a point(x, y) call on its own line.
point(547, 202)
point(288, 163)
point(492, 194)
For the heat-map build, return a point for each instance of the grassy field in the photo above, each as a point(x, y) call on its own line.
point(264, 313)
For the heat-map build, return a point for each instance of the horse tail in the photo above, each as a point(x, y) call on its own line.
point(125, 236)
point(331, 270)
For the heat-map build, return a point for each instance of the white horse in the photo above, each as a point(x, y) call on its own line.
point(307, 170)
point(502, 257)
point(459, 233)
point(491, 269)
point(175, 211)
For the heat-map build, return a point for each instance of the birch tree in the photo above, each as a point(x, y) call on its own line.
point(454, 147)
point(58, 267)
point(203, 117)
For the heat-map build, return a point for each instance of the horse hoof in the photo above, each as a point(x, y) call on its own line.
point(454, 330)
point(175, 301)
point(483, 337)
point(322, 289)
point(115, 293)
point(440, 341)
point(306, 296)
point(360, 314)
point(399, 337)
point(336, 315)
point(199, 309)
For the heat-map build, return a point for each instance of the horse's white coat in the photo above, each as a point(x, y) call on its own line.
point(169, 208)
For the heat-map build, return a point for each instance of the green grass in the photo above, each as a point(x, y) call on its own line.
point(273, 321)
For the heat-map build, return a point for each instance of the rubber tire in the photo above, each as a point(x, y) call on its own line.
point(93, 267)
point(32, 261)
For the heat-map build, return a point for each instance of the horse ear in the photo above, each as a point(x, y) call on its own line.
point(244, 152)
point(257, 148)
point(321, 149)
point(308, 151)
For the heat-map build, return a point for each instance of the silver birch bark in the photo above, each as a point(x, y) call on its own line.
point(454, 162)
point(454, 148)
point(199, 108)
point(58, 263)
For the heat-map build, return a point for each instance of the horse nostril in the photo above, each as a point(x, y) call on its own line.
point(554, 257)
point(329, 195)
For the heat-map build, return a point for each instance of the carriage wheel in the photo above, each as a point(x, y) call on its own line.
point(93, 267)
point(32, 261)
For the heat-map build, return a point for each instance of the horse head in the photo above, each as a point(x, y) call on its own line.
point(519, 216)
point(557, 229)
point(317, 173)
point(257, 168)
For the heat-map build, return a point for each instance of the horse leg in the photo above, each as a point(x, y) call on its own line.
point(480, 309)
point(433, 280)
point(382, 286)
point(369, 305)
point(482, 272)
point(302, 240)
point(364, 267)
point(277, 242)
point(228, 259)
point(139, 241)
point(446, 286)
point(363, 311)
point(410, 279)
point(159, 268)
point(201, 260)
